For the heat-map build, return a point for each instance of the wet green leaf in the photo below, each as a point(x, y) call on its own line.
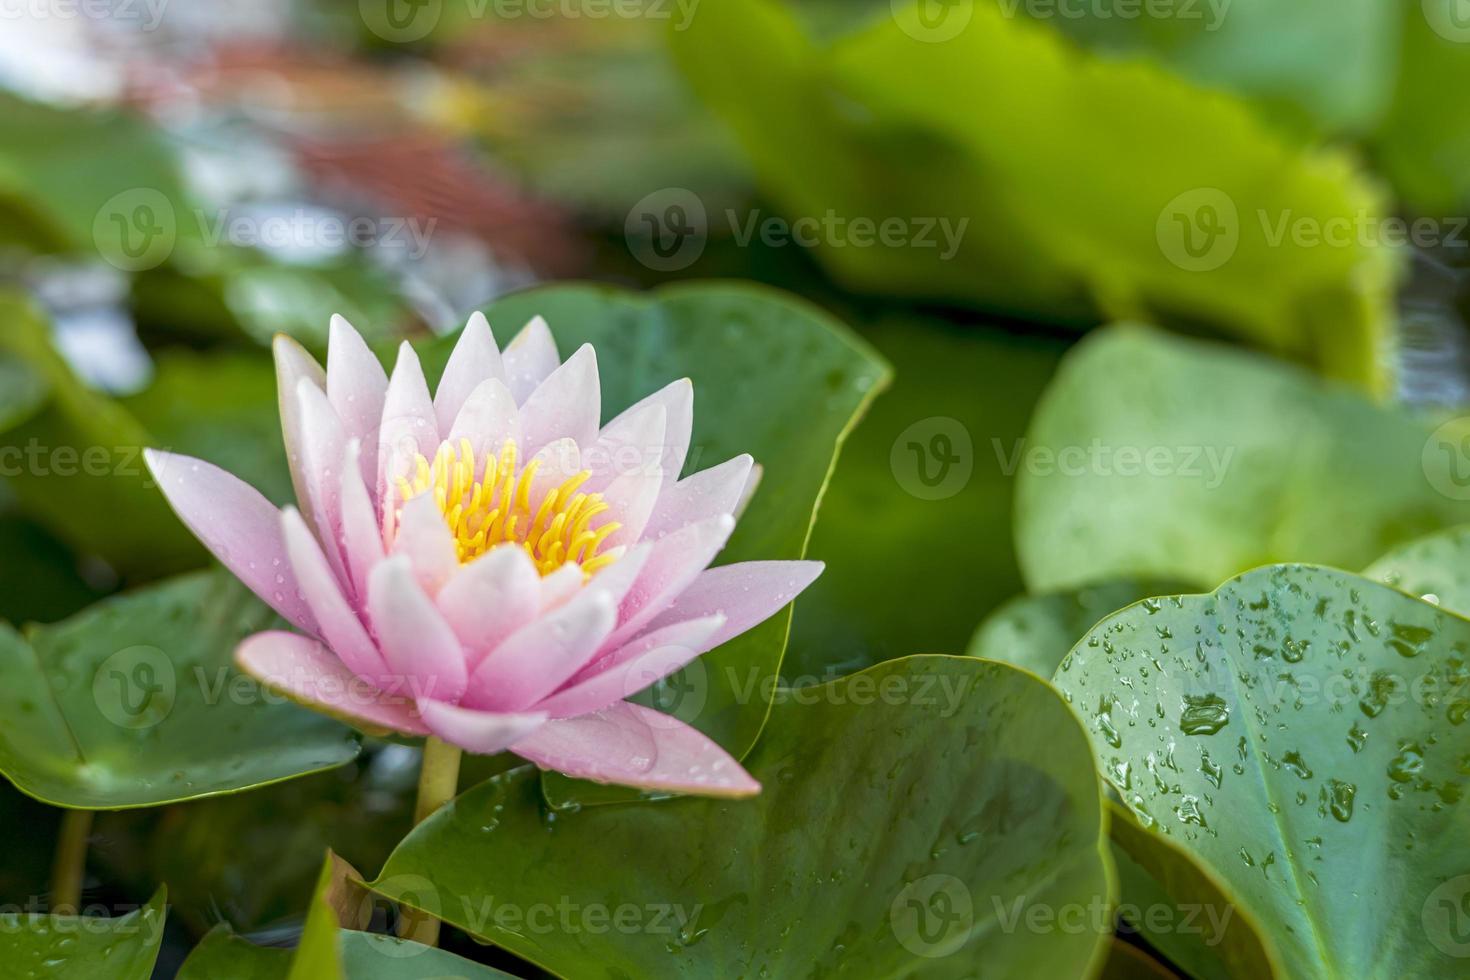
point(931, 814)
point(1300, 732)
point(135, 702)
point(120, 948)
point(1072, 186)
point(1153, 456)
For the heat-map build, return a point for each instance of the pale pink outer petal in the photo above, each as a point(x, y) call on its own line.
point(631, 499)
point(746, 593)
point(630, 444)
point(356, 386)
point(530, 358)
point(538, 658)
point(239, 527)
point(490, 598)
point(677, 401)
point(293, 365)
point(339, 625)
point(305, 671)
point(631, 745)
point(568, 404)
point(416, 642)
point(644, 662)
point(323, 448)
point(474, 361)
point(487, 418)
point(409, 429)
point(556, 462)
point(700, 496)
point(425, 540)
point(479, 732)
point(362, 535)
point(672, 565)
point(560, 586)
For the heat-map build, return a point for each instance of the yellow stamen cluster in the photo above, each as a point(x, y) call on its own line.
point(488, 502)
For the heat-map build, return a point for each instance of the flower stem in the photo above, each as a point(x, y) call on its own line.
point(438, 782)
point(70, 863)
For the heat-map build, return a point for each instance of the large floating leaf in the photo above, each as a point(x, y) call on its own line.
point(1154, 456)
point(772, 377)
point(923, 493)
point(120, 948)
point(1436, 567)
point(911, 120)
point(135, 702)
point(909, 814)
point(1300, 732)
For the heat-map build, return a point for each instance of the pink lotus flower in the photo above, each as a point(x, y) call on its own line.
point(490, 566)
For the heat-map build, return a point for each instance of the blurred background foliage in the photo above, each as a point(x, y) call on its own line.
point(139, 161)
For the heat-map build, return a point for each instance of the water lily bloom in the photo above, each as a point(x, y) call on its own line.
point(490, 565)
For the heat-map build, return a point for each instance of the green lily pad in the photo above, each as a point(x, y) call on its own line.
point(1299, 732)
point(120, 948)
point(760, 361)
point(914, 818)
point(1038, 179)
point(22, 391)
point(1435, 567)
point(135, 702)
point(923, 491)
point(222, 955)
point(1423, 143)
point(1154, 456)
point(1035, 632)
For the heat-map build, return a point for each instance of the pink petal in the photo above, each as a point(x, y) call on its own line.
point(417, 643)
point(306, 672)
point(362, 535)
point(560, 586)
point(323, 449)
point(700, 496)
point(568, 404)
point(490, 598)
point(677, 401)
point(425, 539)
point(293, 365)
point(474, 361)
point(479, 732)
point(556, 462)
point(642, 663)
point(239, 527)
point(487, 418)
point(339, 625)
point(632, 498)
point(538, 658)
point(746, 593)
point(409, 428)
point(631, 745)
point(673, 563)
point(530, 358)
point(631, 444)
point(356, 386)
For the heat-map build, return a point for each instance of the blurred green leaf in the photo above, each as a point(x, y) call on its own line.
point(1159, 457)
point(1435, 567)
point(121, 948)
point(135, 702)
point(22, 390)
point(222, 955)
point(41, 580)
point(1085, 185)
point(1424, 143)
point(921, 492)
point(896, 834)
point(1297, 731)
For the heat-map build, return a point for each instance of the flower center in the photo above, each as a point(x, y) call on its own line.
point(488, 502)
